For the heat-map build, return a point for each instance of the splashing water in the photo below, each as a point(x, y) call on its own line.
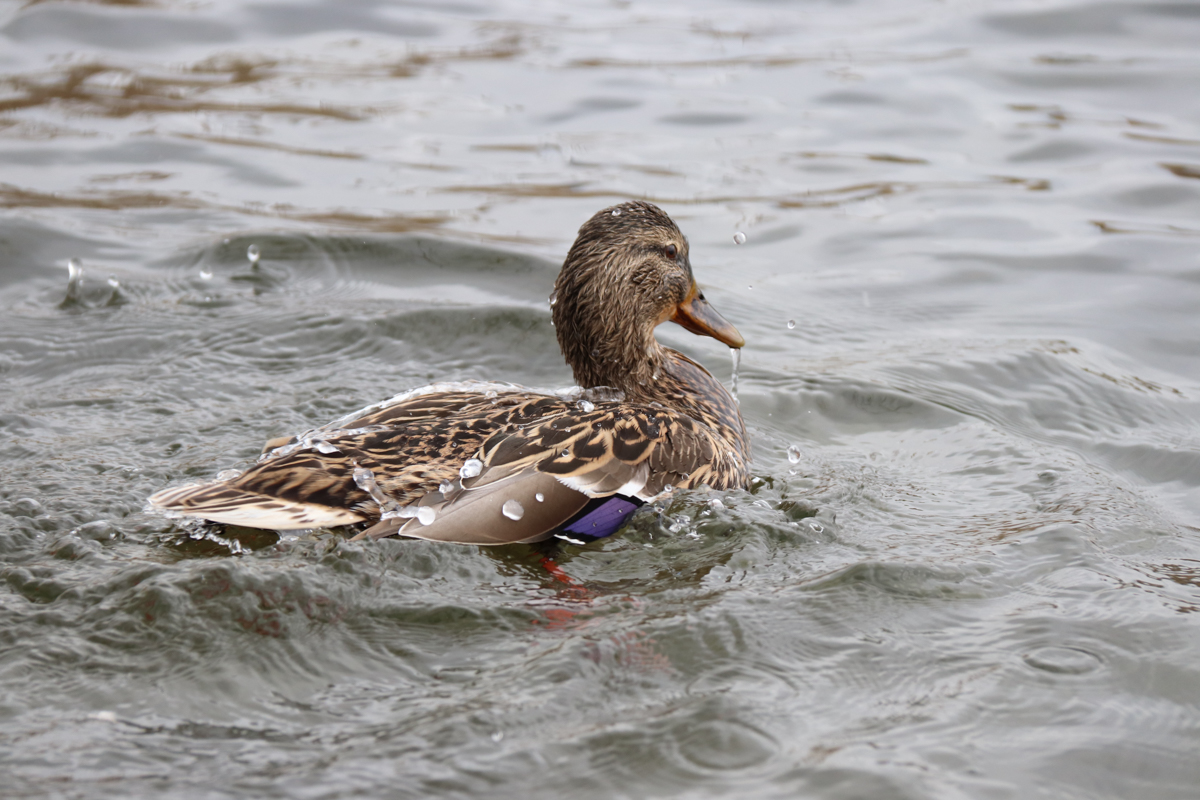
point(74, 279)
point(739, 238)
point(512, 509)
point(252, 254)
point(365, 479)
point(736, 354)
point(206, 274)
point(402, 512)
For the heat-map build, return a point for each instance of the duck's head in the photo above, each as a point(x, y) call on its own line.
point(627, 273)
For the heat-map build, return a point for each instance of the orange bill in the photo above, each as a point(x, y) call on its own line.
point(695, 314)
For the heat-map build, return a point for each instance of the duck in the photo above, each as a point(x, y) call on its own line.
point(488, 463)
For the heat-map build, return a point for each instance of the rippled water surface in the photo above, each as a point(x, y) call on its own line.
point(969, 287)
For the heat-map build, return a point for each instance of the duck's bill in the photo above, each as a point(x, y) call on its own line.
point(695, 314)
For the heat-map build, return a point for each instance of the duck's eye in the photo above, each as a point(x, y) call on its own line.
point(670, 251)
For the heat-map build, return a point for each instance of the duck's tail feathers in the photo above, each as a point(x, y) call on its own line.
point(230, 505)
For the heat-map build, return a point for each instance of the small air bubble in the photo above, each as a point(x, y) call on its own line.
point(739, 238)
point(791, 324)
point(541, 498)
point(794, 454)
point(426, 515)
point(470, 468)
point(252, 254)
point(512, 509)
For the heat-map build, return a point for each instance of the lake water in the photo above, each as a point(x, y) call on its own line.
point(969, 289)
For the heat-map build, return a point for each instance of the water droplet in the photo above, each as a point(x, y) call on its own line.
point(586, 406)
point(426, 515)
point(206, 274)
point(736, 354)
point(512, 509)
point(794, 454)
point(470, 468)
point(497, 736)
point(114, 283)
point(739, 238)
point(446, 487)
point(252, 254)
point(227, 474)
point(553, 297)
point(791, 324)
point(74, 279)
point(616, 212)
point(566, 453)
point(541, 498)
point(365, 479)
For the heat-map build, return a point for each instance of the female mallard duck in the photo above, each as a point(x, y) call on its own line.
point(495, 463)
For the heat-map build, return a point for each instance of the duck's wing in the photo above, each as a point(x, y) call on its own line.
point(535, 479)
point(350, 471)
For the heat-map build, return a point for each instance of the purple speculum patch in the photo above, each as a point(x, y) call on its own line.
point(603, 518)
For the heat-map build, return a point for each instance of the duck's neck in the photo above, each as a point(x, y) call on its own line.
point(650, 374)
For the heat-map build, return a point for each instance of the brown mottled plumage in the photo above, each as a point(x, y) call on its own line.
point(495, 463)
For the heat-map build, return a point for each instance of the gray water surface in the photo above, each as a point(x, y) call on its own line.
point(968, 564)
